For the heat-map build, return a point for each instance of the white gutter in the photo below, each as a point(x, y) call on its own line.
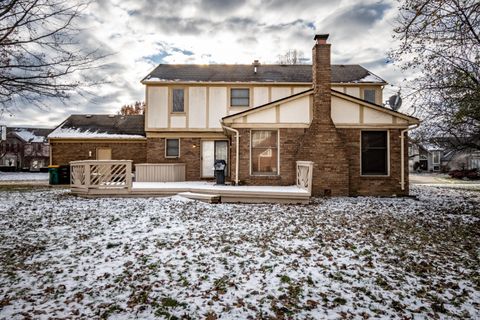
point(237, 150)
point(402, 155)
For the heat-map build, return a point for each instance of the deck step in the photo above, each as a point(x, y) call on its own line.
point(209, 198)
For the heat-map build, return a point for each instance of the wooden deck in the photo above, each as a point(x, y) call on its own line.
point(113, 178)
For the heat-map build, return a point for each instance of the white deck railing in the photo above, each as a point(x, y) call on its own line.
point(305, 175)
point(101, 174)
point(160, 172)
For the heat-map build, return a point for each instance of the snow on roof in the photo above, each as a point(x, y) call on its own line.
point(31, 135)
point(369, 78)
point(88, 134)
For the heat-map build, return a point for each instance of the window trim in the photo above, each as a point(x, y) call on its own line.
point(375, 96)
point(278, 154)
point(436, 152)
point(166, 148)
point(388, 155)
point(170, 100)
point(230, 97)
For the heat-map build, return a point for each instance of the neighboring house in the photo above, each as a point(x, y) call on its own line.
point(278, 118)
point(261, 119)
point(425, 157)
point(433, 157)
point(25, 149)
point(98, 137)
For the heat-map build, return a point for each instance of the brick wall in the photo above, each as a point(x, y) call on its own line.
point(189, 154)
point(289, 141)
point(64, 152)
point(375, 186)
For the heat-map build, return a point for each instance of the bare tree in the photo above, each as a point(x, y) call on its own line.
point(440, 42)
point(131, 109)
point(41, 53)
point(292, 56)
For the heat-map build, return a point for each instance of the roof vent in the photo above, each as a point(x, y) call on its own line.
point(256, 64)
point(88, 116)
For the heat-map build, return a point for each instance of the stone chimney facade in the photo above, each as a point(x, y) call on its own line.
point(322, 143)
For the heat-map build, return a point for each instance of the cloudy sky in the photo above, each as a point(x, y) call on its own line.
point(144, 33)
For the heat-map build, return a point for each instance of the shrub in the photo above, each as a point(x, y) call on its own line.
point(460, 174)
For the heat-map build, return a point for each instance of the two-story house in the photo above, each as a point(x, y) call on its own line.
point(261, 119)
point(24, 149)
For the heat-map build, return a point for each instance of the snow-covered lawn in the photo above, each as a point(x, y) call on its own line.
point(23, 176)
point(67, 257)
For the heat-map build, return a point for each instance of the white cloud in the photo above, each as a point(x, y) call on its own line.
point(143, 33)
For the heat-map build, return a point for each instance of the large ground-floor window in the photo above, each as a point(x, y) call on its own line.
point(374, 153)
point(264, 152)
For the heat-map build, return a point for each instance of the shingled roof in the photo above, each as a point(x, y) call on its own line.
point(348, 73)
point(100, 126)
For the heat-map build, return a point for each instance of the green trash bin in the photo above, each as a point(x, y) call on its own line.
point(53, 176)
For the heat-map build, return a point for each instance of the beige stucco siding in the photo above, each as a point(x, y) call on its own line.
point(336, 88)
point(178, 121)
point(374, 116)
point(260, 96)
point(197, 109)
point(217, 106)
point(344, 111)
point(157, 109)
point(280, 92)
point(296, 111)
point(264, 116)
point(353, 91)
point(300, 89)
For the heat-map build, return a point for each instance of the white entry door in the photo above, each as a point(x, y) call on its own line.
point(211, 151)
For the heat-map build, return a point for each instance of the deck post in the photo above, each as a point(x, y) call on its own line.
point(87, 175)
point(128, 173)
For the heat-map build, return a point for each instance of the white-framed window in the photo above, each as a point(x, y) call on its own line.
point(178, 100)
point(172, 148)
point(369, 95)
point(436, 157)
point(264, 155)
point(475, 163)
point(374, 153)
point(239, 97)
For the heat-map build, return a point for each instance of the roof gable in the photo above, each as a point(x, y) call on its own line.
point(373, 114)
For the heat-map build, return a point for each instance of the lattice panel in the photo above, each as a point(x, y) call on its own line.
point(303, 173)
point(108, 175)
point(78, 175)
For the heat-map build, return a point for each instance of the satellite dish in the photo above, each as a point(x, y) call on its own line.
point(395, 101)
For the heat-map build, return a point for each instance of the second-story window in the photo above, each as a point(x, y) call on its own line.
point(178, 103)
point(369, 95)
point(239, 97)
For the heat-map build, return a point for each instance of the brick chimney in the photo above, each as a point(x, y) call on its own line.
point(322, 78)
point(322, 143)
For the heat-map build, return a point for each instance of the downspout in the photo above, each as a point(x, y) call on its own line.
point(402, 155)
point(237, 150)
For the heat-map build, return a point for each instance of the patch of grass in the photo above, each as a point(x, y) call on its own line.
point(168, 302)
point(339, 301)
point(285, 279)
